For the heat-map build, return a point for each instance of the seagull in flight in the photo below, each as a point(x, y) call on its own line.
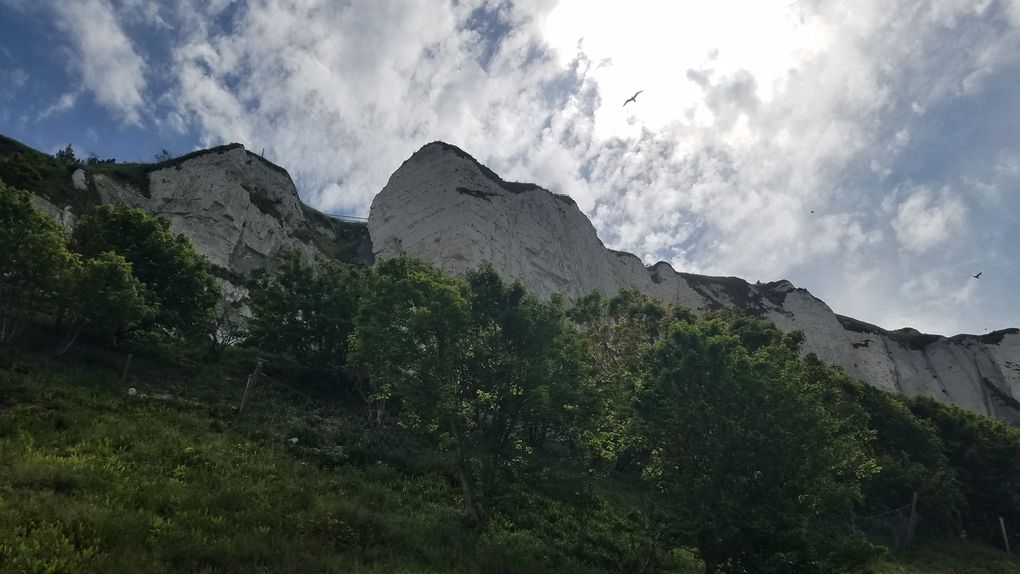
point(633, 98)
point(978, 276)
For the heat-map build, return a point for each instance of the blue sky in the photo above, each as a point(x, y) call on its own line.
point(865, 150)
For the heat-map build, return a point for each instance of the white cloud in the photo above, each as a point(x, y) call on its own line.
point(104, 56)
point(16, 79)
point(768, 139)
point(63, 103)
point(342, 95)
point(926, 220)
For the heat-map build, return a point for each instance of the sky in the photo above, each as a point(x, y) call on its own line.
point(867, 151)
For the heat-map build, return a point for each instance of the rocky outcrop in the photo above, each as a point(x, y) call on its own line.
point(239, 210)
point(63, 215)
point(443, 206)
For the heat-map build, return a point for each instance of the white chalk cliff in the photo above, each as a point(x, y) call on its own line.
point(239, 210)
point(443, 206)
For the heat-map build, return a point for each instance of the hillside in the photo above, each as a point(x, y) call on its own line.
point(399, 418)
point(159, 472)
point(443, 206)
point(239, 210)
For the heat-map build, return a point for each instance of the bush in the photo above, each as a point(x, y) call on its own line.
point(178, 285)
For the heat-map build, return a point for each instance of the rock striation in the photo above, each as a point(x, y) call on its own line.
point(443, 206)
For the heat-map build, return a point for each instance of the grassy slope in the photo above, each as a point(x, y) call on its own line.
point(942, 558)
point(41, 174)
point(97, 480)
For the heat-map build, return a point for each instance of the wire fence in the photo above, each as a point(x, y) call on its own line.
point(893, 528)
point(344, 216)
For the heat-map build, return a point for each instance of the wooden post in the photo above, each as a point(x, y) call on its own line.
point(252, 378)
point(912, 523)
point(127, 365)
point(1005, 538)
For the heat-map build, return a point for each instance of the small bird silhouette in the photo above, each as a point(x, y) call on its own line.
point(633, 98)
point(978, 276)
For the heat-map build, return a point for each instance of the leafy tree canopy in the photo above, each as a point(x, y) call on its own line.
point(176, 278)
point(305, 310)
point(752, 459)
point(984, 452)
point(104, 298)
point(32, 257)
point(67, 157)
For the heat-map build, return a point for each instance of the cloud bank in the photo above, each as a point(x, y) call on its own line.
point(865, 151)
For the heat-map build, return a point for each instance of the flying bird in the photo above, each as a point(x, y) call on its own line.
point(633, 98)
point(978, 276)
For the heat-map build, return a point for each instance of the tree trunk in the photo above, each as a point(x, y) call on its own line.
point(465, 483)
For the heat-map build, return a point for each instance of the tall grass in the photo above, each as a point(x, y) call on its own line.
point(171, 479)
point(99, 480)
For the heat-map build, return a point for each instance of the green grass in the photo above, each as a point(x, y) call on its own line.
point(173, 479)
point(97, 480)
point(938, 557)
point(25, 168)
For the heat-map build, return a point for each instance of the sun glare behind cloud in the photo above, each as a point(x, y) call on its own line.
point(658, 46)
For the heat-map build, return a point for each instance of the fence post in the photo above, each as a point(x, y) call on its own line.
point(1005, 538)
point(912, 523)
point(127, 365)
point(252, 378)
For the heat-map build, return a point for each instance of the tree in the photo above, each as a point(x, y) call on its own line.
point(910, 457)
point(486, 372)
point(32, 257)
point(985, 454)
point(306, 311)
point(617, 334)
point(66, 156)
point(410, 336)
point(227, 325)
point(177, 281)
point(94, 159)
point(104, 299)
point(523, 385)
point(751, 458)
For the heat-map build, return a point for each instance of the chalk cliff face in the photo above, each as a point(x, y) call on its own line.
point(238, 209)
point(443, 206)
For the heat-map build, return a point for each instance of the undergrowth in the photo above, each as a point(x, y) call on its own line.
point(170, 478)
point(159, 472)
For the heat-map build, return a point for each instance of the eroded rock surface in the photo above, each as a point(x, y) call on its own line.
point(443, 206)
point(238, 209)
